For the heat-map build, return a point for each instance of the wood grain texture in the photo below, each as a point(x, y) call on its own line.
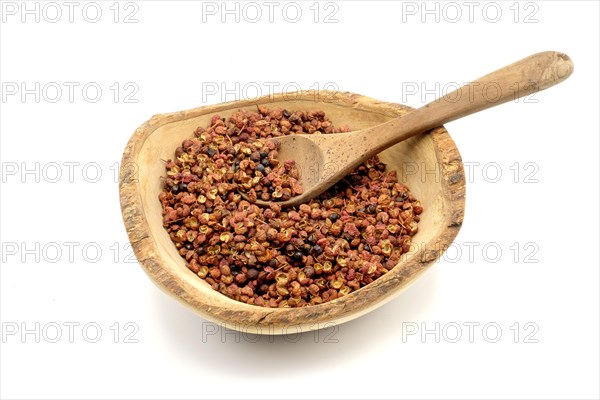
point(429, 164)
point(325, 159)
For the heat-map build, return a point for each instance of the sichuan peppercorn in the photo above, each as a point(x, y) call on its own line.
point(339, 242)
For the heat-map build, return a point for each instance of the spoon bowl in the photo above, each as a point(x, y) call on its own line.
point(309, 159)
point(429, 164)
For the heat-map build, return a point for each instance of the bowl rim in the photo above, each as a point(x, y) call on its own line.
point(258, 319)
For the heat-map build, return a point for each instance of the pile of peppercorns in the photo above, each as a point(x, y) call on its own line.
point(268, 256)
point(261, 175)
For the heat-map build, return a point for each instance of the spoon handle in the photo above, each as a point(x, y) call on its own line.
point(529, 75)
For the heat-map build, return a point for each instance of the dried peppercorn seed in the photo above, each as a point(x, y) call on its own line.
point(333, 217)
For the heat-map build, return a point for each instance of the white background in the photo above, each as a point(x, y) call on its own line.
point(542, 292)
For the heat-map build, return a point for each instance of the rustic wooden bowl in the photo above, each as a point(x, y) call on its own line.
point(429, 164)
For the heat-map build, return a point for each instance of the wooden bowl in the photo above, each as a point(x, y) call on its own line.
point(429, 164)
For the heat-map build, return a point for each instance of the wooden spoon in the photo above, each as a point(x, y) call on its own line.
point(322, 160)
